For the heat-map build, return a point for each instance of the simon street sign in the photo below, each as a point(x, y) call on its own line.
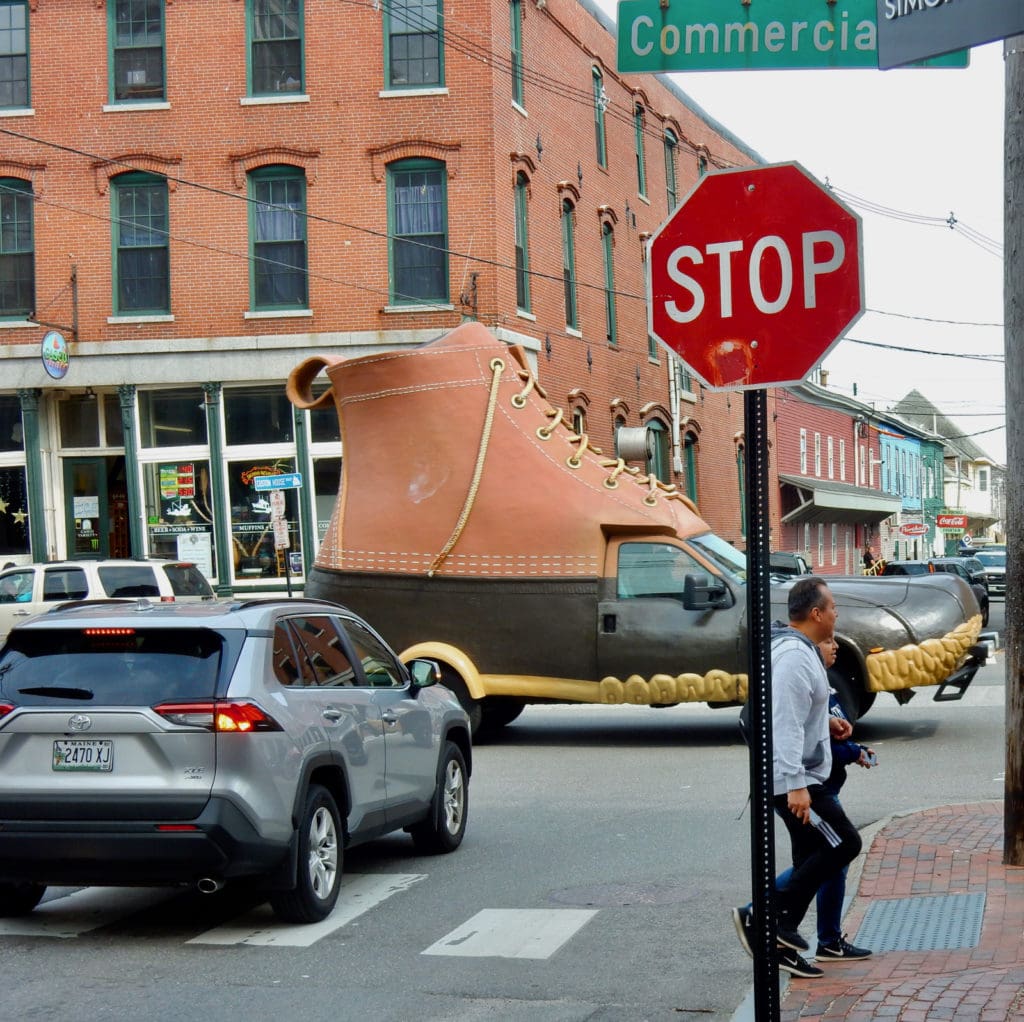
point(911, 29)
point(731, 35)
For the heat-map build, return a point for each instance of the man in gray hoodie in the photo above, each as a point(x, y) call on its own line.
point(822, 837)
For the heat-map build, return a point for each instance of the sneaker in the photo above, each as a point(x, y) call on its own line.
point(791, 962)
point(790, 938)
point(841, 948)
point(743, 920)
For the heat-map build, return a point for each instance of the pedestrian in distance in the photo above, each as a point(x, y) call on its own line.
point(822, 838)
point(869, 557)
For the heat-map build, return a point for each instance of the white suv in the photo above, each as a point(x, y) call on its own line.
point(32, 589)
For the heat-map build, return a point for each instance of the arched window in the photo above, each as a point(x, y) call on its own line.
point(142, 263)
point(17, 249)
point(572, 316)
point(418, 227)
point(277, 232)
point(522, 244)
point(600, 105)
point(638, 144)
point(671, 145)
point(607, 250)
point(658, 463)
point(690, 465)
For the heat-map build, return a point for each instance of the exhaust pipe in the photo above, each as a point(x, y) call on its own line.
point(209, 885)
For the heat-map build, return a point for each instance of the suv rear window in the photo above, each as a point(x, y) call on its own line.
point(127, 580)
point(187, 580)
point(79, 667)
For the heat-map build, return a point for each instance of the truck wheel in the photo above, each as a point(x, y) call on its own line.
point(473, 707)
point(318, 873)
point(499, 711)
point(19, 899)
point(855, 700)
point(443, 829)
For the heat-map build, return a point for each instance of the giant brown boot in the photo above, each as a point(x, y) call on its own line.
point(457, 465)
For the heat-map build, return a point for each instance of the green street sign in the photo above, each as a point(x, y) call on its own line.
point(762, 35)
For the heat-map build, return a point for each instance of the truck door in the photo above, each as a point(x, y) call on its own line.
point(643, 628)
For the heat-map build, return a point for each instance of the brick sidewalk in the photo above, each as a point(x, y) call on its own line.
point(946, 851)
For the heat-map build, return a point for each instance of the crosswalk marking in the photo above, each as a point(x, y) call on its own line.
point(82, 911)
point(359, 893)
point(512, 933)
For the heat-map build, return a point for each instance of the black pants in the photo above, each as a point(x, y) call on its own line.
point(814, 859)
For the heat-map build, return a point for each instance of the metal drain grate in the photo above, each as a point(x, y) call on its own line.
point(944, 922)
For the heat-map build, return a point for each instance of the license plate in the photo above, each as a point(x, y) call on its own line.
point(80, 754)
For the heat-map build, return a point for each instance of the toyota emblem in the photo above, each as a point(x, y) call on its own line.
point(80, 722)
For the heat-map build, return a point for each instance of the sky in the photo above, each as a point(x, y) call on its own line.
point(904, 148)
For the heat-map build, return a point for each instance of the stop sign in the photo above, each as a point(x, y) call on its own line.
point(755, 276)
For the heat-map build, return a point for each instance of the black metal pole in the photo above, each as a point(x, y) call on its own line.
point(759, 695)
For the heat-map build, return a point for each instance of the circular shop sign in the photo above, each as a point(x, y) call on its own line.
point(54, 352)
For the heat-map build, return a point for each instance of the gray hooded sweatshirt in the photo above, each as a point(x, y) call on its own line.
point(802, 753)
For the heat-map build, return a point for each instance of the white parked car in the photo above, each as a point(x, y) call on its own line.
point(26, 590)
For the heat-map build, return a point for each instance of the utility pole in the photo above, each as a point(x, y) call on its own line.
point(1013, 319)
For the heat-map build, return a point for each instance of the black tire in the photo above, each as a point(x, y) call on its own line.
point(319, 865)
point(500, 711)
point(848, 696)
point(473, 707)
point(19, 899)
point(444, 828)
point(984, 613)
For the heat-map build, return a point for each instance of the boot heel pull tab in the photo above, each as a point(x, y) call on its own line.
point(300, 382)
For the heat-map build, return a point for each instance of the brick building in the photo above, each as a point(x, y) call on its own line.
point(230, 186)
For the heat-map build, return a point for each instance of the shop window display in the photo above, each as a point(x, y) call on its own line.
point(13, 511)
point(179, 512)
point(172, 418)
point(252, 527)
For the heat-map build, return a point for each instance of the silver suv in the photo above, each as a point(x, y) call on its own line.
point(177, 744)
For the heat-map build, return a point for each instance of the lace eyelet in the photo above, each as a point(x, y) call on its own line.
point(518, 401)
point(544, 433)
point(650, 500)
point(496, 363)
point(573, 462)
point(611, 484)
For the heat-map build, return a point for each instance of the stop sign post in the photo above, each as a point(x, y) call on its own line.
point(755, 276)
point(751, 281)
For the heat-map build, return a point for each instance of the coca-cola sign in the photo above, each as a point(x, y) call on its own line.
point(951, 521)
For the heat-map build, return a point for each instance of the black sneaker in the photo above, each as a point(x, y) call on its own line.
point(743, 920)
point(841, 949)
point(791, 962)
point(790, 938)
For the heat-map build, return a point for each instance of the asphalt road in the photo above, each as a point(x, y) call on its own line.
point(605, 847)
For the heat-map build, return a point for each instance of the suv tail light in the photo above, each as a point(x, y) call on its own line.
point(5, 708)
point(215, 715)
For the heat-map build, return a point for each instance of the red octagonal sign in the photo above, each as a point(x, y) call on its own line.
point(755, 276)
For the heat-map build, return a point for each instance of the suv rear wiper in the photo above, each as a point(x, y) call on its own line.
point(57, 690)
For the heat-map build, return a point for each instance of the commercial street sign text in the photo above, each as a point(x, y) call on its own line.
point(727, 35)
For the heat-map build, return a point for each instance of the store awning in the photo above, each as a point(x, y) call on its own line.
point(809, 500)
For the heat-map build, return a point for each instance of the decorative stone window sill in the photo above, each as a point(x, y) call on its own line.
point(440, 307)
point(299, 97)
point(519, 109)
point(133, 108)
point(573, 332)
point(18, 111)
point(395, 93)
point(17, 324)
point(523, 314)
point(141, 319)
point(279, 314)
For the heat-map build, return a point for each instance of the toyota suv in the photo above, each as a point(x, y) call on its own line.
point(146, 744)
point(30, 589)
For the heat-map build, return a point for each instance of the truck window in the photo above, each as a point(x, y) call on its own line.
point(654, 569)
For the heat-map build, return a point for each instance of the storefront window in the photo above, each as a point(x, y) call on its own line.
point(11, 438)
point(324, 427)
point(113, 429)
point(13, 511)
point(179, 512)
point(326, 486)
point(257, 415)
point(254, 538)
point(172, 418)
point(79, 421)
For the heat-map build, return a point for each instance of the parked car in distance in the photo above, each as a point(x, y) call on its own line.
point(31, 589)
point(150, 744)
point(782, 563)
point(993, 559)
point(945, 565)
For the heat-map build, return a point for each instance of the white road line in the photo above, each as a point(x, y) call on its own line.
point(359, 893)
point(512, 933)
point(85, 910)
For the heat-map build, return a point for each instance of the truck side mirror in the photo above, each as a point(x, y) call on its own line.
point(703, 593)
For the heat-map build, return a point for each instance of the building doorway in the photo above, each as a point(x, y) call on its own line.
point(96, 508)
